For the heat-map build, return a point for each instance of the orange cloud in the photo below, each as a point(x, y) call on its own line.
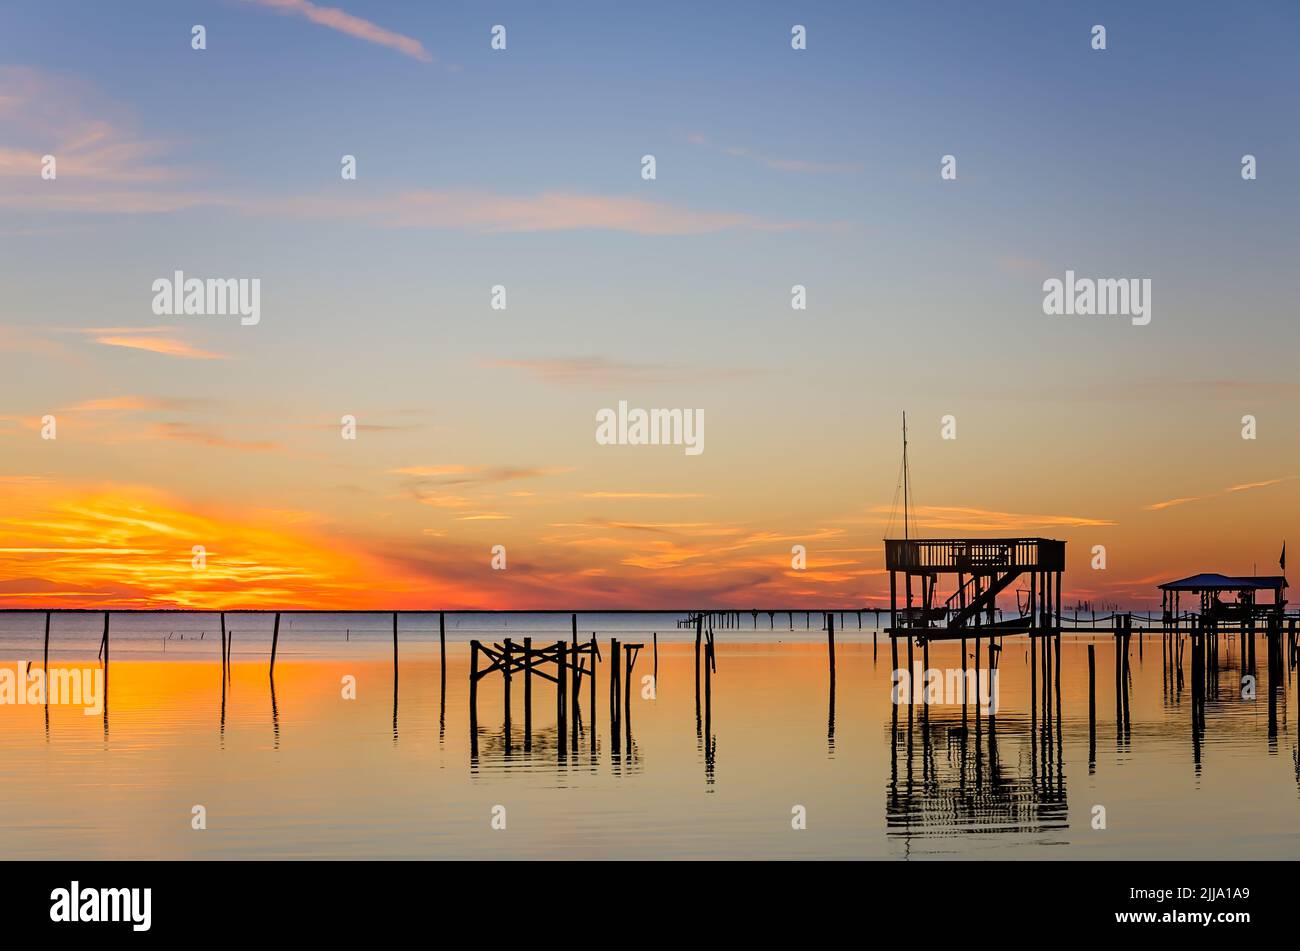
point(124, 404)
point(185, 433)
point(644, 495)
point(167, 346)
point(1243, 487)
point(129, 546)
point(126, 546)
point(955, 518)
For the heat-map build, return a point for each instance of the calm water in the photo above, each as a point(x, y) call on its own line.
point(300, 772)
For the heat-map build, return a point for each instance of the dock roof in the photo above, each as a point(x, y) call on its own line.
point(1209, 581)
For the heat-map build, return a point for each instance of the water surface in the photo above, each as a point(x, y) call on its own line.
point(291, 769)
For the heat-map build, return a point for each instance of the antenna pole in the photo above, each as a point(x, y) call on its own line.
point(905, 488)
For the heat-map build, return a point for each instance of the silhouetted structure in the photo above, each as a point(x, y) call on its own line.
point(1212, 587)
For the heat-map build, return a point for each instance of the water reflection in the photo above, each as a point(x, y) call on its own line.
point(950, 779)
point(965, 784)
point(801, 724)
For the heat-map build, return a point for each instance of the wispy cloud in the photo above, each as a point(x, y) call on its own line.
point(122, 404)
point(962, 518)
point(773, 162)
point(446, 210)
point(87, 144)
point(492, 212)
point(1243, 487)
point(338, 19)
point(457, 475)
point(446, 501)
point(187, 433)
point(602, 371)
point(431, 470)
point(643, 495)
point(1256, 485)
point(153, 343)
point(599, 371)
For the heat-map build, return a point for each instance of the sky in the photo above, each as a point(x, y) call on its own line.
point(522, 167)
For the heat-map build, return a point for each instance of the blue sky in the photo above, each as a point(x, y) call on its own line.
point(775, 167)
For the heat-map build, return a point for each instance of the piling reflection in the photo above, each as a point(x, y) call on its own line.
point(949, 778)
point(965, 783)
point(275, 716)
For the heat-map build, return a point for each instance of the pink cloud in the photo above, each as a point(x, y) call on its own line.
point(338, 19)
point(549, 211)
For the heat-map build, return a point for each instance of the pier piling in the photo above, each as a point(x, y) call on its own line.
point(275, 642)
point(830, 645)
point(1092, 705)
point(595, 653)
point(507, 649)
point(528, 694)
point(103, 646)
point(615, 675)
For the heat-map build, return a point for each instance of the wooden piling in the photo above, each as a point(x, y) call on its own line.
point(275, 641)
point(708, 689)
point(1056, 686)
point(699, 633)
point(528, 693)
point(1128, 636)
point(473, 697)
point(925, 672)
point(473, 677)
point(595, 650)
point(1092, 702)
point(561, 698)
point(1092, 685)
point(104, 647)
point(615, 675)
point(708, 717)
point(46, 661)
point(576, 686)
point(1119, 680)
point(507, 651)
point(964, 681)
point(830, 644)
point(442, 646)
point(911, 670)
point(627, 698)
point(1273, 635)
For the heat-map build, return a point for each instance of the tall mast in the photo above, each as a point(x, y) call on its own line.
point(905, 490)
